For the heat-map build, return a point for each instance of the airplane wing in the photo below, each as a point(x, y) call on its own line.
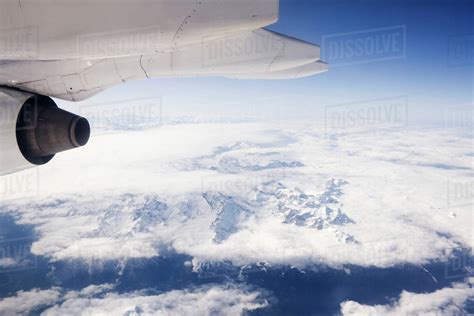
point(258, 54)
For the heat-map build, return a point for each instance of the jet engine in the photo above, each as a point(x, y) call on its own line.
point(33, 130)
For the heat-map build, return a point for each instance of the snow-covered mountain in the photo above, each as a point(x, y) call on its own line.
point(129, 214)
point(293, 206)
point(229, 215)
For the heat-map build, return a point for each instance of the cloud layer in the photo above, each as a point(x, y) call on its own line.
point(248, 194)
point(369, 199)
point(447, 301)
point(99, 300)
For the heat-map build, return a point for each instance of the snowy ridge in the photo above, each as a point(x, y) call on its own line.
point(113, 227)
point(131, 214)
point(233, 165)
point(293, 206)
point(229, 214)
point(296, 207)
point(244, 156)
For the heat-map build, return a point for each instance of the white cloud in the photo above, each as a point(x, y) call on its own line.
point(447, 301)
point(98, 300)
point(7, 262)
point(202, 301)
point(24, 302)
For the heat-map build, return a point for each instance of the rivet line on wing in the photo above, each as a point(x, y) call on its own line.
point(184, 22)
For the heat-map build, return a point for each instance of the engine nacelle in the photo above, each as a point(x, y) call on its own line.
point(33, 129)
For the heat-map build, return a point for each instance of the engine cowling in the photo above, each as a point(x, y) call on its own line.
point(33, 130)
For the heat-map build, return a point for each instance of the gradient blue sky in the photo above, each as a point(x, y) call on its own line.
point(426, 75)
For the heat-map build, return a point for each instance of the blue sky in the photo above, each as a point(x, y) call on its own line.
point(426, 72)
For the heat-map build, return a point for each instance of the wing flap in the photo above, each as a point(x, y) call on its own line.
point(308, 70)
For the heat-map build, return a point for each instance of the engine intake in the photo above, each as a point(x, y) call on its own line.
point(43, 130)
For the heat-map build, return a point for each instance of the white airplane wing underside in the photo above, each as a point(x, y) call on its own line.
point(258, 54)
point(72, 29)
